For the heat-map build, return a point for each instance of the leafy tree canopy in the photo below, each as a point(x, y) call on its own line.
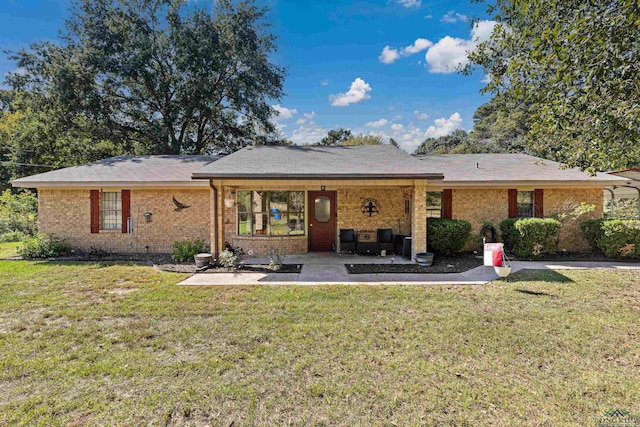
point(160, 76)
point(335, 137)
point(575, 64)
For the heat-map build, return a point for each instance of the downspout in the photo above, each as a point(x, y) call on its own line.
point(214, 244)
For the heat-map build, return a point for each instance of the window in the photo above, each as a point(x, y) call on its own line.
point(434, 204)
point(270, 213)
point(525, 204)
point(111, 211)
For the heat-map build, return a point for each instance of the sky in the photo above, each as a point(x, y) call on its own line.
point(376, 67)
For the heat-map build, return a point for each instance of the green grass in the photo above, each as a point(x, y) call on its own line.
point(9, 249)
point(103, 344)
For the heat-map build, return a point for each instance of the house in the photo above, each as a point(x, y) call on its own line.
point(298, 198)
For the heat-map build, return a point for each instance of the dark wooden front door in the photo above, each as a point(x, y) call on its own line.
point(322, 221)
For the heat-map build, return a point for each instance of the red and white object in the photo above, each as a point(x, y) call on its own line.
point(493, 254)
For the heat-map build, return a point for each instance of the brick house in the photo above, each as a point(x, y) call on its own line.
point(298, 198)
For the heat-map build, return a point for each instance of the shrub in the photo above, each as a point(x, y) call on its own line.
point(43, 246)
point(537, 236)
point(184, 250)
point(276, 258)
point(229, 259)
point(12, 236)
point(510, 236)
point(620, 238)
point(18, 212)
point(593, 232)
point(447, 236)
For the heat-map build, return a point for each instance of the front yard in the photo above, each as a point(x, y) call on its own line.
point(105, 344)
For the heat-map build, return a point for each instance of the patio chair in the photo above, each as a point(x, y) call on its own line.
point(385, 240)
point(347, 240)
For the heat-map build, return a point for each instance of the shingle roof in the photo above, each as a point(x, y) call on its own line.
point(133, 170)
point(497, 168)
point(296, 162)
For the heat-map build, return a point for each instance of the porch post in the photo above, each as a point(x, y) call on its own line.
point(419, 218)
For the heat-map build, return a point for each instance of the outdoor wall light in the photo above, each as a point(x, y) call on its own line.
point(148, 216)
point(322, 188)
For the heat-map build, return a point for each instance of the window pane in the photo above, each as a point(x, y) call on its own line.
point(296, 223)
point(525, 204)
point(278, 224)
point(296, 201)
point(244, 201)
point(322, 208)
point(111, 210)
point(434, 204)
point(260, 201)
point(244, 223)
point(260, 223)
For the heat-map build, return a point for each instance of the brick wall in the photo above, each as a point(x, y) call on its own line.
point(66, 213)
point(479, 205)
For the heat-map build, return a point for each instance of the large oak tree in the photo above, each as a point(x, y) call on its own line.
point(576, 65)
point(160, 76)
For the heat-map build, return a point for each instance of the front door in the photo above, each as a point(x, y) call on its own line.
point(322, 221)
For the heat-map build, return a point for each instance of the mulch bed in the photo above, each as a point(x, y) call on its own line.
point(441, 264)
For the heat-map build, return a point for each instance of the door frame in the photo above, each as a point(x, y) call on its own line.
point(311, 194)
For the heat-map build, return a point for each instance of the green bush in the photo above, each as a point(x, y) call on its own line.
point(43, 246)
point(185, 250)
point(621, 238)
point(537, 236)
point(593, 232)
point(510, 236)
point(229, 259)
point(18, 212)
point(447, 236)
point(12, 236)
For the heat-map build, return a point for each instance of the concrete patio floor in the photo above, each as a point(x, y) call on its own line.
point(329, 268)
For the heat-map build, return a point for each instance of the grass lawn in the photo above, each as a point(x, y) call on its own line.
point(103, 344)
point(9, 249)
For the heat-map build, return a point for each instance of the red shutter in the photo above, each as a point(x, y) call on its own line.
point(94, 195)
point(513, 203)
point(538, 203)
point(447, 203)
point(126, 209)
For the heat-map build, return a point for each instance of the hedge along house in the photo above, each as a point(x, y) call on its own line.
point(298, 198)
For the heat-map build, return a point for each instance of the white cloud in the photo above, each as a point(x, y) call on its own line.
point(444, 126)
point(397, 127)
point(449, 53)
point(420, 116)
point(359, 91)
point(388, 55)
point(418, 46)
point(452, 16)
point(284, 113)
point(310, 115)
point(301, 121)
point(324, 82)
point(308, 133)
point(486, 79)
point(377, 123)
point(410, 3)
point(429, 16)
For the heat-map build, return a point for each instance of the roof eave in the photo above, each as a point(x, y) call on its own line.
point(531, 183)
point(83, 184)
point(430, 176)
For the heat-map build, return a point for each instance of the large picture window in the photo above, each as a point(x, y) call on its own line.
point(434, 204)
point(111, 211)
point(270, 213)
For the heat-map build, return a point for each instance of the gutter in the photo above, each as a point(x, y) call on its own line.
point(430, 176)
point(214, 245)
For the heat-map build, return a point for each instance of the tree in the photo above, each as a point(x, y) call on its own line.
point(498, 129)
point(444, 144)
point(335, 137)
point(576, 64)
point(166, 75)
point(363, 140)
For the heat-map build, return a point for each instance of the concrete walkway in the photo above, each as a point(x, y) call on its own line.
point(332, 271)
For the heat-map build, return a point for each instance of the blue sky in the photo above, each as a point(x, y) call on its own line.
point(374, 67)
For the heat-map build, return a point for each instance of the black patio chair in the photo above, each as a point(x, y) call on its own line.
point(347, 240)
point(385, 240)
